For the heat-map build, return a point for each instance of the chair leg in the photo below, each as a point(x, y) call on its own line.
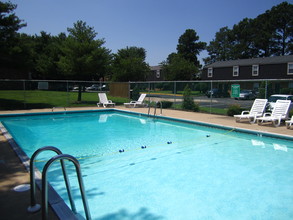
point(252, 120)
point(277, 122)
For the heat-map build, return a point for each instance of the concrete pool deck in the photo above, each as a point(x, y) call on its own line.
point(13, 205)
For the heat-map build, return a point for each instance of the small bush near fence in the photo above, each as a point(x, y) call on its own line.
point(167, 104)
point(234, 110)
point(188, 103)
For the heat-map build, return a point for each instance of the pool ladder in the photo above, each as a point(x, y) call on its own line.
point(155, 110)
point(34, 207)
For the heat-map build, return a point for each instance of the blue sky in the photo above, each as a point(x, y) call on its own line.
point(155, 25)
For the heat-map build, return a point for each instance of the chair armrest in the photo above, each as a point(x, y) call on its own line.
point(267, 114)
point(244, 112)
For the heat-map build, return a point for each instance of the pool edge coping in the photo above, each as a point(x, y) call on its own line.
point(58, 205)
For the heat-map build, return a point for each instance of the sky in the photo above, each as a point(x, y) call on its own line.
point(155, 25)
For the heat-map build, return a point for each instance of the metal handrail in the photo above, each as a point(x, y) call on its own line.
point(45, 184)
point(34, 207)
point(161, 105)
point(155, 110)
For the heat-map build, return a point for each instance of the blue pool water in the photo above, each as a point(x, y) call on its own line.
point(187, 171)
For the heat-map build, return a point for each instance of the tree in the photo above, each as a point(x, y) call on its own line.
point(83, 57)
point(282, 20)
point(189, 47)
point(242, 36)
point(9, 25)
point(47, 52)
point(220, 48)
point(129, 65)
point(269, 34)
point(263, 39)
point(178, 68)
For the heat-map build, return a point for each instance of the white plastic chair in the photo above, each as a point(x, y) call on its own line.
point(103, 100)
point(137, 103)
point(279, 113)
point(256, 110)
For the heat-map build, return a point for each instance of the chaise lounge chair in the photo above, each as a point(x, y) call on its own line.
point(256, 110)
point(289, 123)
point(138, 103)
point(279, 113)
point(103, 100)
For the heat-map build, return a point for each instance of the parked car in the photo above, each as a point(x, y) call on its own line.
point(216, 93)
point(247, 94)
point(273, 98)
point(96, 87)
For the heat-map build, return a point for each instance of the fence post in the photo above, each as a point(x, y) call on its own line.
point(174, 92)
point(67, 93)
point(24, 95)
point(211, 97)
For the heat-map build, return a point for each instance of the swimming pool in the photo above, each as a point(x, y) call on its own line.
point(186, 171)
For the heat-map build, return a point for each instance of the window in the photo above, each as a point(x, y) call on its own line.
point(254, 70)
point(158, 74)
point(235, 70)
point(210, 72)
point(290, 68)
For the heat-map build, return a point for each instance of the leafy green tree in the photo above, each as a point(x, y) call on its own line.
point(243, 35)
point(83, 57)
point(129, 65)
point(220, 48)
point(47, 51)
point(264, 35)
point(9, 25)
point(202, 87)
point(269, 34)
point(178, 68)
point(282, 20)
point(189, 47)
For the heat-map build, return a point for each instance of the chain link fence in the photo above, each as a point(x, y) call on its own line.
point(210, 96)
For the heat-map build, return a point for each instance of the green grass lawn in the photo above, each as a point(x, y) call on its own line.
point(218, 111)
point(33, 99)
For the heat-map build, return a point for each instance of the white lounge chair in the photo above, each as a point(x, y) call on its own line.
point(103, 100)
point(289, 123)
point(256, 110)
point(137, 103)
point(279, 113)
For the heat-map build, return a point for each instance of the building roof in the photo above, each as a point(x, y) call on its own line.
point(253, 61)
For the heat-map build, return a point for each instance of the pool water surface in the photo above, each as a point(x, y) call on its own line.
point(167, 170)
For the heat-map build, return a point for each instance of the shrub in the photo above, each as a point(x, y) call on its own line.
point(167, 104)
point(234, 110)
point(286, 91)
point(188, 103)
point(135, 93)
point(291, 113)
